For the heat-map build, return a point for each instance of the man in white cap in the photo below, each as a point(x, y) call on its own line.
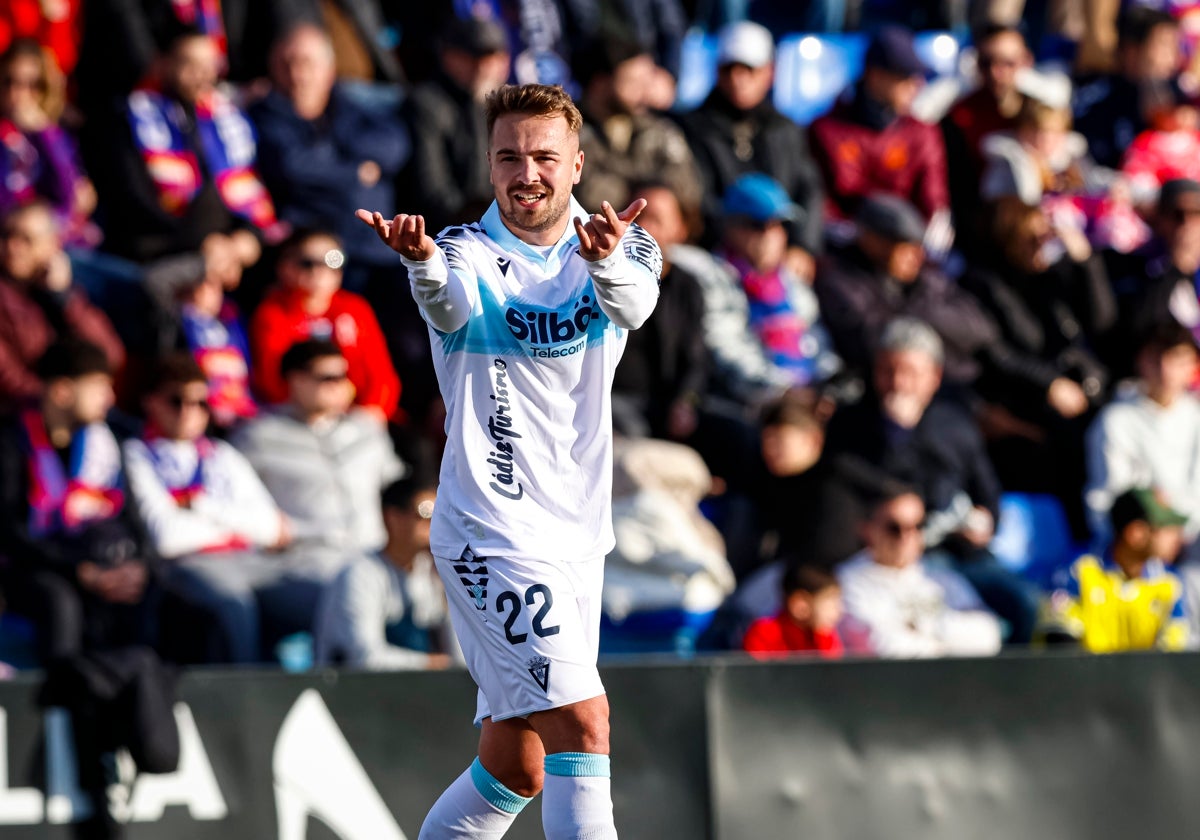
point(738, 130)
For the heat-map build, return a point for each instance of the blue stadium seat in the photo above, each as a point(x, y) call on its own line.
point(1033, 537)
point(654, 631)
point(697, 69)
point(812, 70)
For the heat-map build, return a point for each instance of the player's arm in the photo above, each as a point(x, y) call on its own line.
point(444, 296)
point(624, 262)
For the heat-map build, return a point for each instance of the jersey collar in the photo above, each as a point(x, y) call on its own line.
point(496, 230)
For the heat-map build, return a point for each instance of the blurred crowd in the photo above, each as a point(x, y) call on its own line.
point(952, 298)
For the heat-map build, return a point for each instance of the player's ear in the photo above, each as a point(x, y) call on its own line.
point(578, 167)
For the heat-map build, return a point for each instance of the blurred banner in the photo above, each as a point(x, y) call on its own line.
point(1055, 747)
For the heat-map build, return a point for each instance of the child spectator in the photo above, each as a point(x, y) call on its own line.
point(388, 611)
point(1150, 434)
point(308, 302)
point(212, 332)
point(40, 303)
point(74, 562)
point(205, 510)
point(812, 609)
point(907, 608)
point(783, 309)
point(1169, 148)
point(1128, 599)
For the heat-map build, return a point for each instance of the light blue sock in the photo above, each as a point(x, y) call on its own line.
point(577, 797)
point(477, 806)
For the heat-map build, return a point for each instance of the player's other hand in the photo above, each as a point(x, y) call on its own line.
point(404, 234)
point(600, 236)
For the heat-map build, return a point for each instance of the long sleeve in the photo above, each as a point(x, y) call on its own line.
point(354, 619)
point(1113, 466)
point(250, 512)
point(381, 386)
point(626, 281)
point(173, 531)
point(444, 297)
point(271, 335)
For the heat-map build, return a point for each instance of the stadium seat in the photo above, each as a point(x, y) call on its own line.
point(1033, 537)
point(697, 69)
point(812, 70)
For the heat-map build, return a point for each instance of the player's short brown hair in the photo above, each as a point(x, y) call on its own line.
point(533, 100)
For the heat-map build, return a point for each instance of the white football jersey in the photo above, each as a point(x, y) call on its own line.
point(525, 345)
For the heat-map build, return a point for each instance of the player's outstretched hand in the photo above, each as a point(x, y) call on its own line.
point(599, 237)
point(404, 234)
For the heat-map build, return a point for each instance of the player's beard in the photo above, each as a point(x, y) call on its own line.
point(546, 215)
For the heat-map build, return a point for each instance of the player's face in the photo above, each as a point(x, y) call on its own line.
point(535, 161)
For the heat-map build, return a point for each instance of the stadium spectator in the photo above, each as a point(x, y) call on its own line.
point(54, 28)
point(904, 430)
point(663, 374)
point(738, 130)
point(40, 303)
point(74, 559)
point(1051, 299)
point(448, 172)
point(795, 500)
point(321, 153)
point(1128, 598)
point(622, 139)
point(870, 142)
point(784, 313)
point(812, 609)
point(908, 608)
point(211, 330)
point(323, 461)
point(308, 302)
point(38, 159)
point(1168, 148)
point(180, 175)
point(388, 611)
point(1155, 283)
point(207, 514)
point(883, 275)
point(1149, 436)
point(1110, 108)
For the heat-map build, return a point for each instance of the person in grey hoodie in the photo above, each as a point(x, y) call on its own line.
point(323, 462)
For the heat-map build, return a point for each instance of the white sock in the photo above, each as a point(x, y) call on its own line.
point(577, 798)
point(476, 806)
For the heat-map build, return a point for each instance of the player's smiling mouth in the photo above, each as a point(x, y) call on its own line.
point(529, 199)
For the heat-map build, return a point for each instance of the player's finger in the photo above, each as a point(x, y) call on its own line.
point(365, 216)
point(633, 210)
point(610, 216)
point(585, 241)
point(420, 228)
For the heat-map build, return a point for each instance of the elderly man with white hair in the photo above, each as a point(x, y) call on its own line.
point(903, 430)
point(321, 151)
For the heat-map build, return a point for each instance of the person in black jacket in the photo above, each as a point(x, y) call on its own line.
point(70, 554)
point(738, 130)
point(1157, 283)
point(447, 174)
point(904, 430)
point(1052, 302)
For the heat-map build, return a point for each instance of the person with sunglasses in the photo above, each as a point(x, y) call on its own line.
point(308, 302)
point(325, 462)
point(907, 608)
point(204, 509)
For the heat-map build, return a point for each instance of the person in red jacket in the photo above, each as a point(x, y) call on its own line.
point(812, 609)
point(870, 142)
point(308, 301)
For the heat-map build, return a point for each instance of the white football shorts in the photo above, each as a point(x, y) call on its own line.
point(529, 630)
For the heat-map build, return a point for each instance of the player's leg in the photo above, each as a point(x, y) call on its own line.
point(577, 797)
point(577, 794)
point(483, 802)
